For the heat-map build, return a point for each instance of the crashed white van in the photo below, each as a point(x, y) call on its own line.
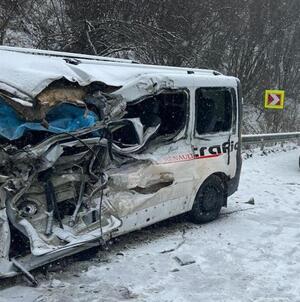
point(92, 148)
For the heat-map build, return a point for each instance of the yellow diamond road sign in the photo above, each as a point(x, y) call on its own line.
point(274, 99)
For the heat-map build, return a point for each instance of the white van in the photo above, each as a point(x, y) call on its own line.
point(93, 148)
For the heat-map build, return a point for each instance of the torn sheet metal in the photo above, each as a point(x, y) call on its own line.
point(4, 235)
point(85, 152)
point(64, 139)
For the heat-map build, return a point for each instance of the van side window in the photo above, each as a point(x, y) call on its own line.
point(215, 110)
point(167, 111)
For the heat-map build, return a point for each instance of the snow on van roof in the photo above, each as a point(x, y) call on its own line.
point(28, 71)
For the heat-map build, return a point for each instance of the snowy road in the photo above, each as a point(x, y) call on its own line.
point(252, 253)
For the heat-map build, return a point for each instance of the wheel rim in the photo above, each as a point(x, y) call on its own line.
point(210, 199)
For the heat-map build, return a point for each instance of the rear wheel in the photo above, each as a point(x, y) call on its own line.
point(209, 200)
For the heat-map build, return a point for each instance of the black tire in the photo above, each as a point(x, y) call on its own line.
point(209, 200)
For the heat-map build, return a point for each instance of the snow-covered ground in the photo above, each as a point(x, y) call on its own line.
point(251, 253)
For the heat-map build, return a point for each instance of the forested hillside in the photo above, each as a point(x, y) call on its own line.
point(255, 40)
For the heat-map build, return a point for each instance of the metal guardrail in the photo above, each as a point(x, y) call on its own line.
point(270, 137)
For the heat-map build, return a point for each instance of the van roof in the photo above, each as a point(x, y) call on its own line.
point(27, 72)
point(100, 60)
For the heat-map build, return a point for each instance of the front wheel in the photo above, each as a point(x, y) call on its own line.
point(209, 200)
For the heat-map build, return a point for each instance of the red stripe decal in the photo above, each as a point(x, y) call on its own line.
point(189, 157)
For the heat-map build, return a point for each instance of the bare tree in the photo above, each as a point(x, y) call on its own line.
point(257, 41)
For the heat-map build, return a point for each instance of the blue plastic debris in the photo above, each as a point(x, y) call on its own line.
point(62, 118)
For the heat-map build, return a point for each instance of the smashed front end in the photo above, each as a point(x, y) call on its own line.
point(61, 143)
